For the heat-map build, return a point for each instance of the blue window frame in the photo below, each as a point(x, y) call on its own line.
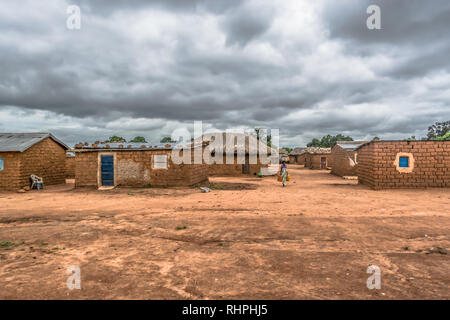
point(1, 164)
point(403, 162)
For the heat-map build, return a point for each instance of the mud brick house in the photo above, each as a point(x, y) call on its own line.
point(318, 158)
point(133, 164)
point(345, 158)
point(404, 164)
point(297, 156)
point(248, 145)
point(284, 155)
point(70, 165)
point(24, 154)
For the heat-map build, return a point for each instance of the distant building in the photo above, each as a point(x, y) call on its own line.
point(283, 154)
point(70, 165)
point(345, 158)
point(318, 158)
point(24, 154)
point(404, 164)
point(250, 148)
point(297, 156)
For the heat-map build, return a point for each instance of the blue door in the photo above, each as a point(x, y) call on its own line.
point(107, 171)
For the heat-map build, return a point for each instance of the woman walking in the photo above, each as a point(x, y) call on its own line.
point(283, 173)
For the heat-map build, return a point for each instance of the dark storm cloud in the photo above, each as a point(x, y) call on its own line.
point(109, 7)
point(414, 31)
point(243, 24)
point(148, 67)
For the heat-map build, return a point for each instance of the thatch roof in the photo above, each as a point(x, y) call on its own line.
point(245, 142)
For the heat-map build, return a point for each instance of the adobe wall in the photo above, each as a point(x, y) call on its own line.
point(10, 175)
point(312, 161)
point(46, 159)
point(298, 159)
point(429, 164)
point(234, 169)
point(86, 169)
point(342, 166)
point(136, 169)
point(70, 167)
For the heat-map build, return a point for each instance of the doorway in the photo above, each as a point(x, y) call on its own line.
point(107, 170)
point(323, 162)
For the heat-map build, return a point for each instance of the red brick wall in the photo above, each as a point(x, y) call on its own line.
point(10, 175)
point(135, 168)
point(376, 166)
point(341, 163)
point(312, 161)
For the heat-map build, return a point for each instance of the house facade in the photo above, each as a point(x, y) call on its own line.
point(244, 155)
point(345, 158)
point(136, 165)
point(404, 164)
point(24, 154)
point(297, 156)
point(318, 158)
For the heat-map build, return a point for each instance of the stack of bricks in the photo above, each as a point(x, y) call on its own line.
point(431, 168)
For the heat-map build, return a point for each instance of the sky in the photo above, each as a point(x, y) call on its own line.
point(148, 67)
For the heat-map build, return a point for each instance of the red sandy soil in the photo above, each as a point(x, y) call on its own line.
point(248, 238)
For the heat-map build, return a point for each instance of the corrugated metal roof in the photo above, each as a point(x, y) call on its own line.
point(19, 142)
point(133, 146)
point(350, 145)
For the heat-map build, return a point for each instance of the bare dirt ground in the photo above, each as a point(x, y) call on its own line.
point(248, 238)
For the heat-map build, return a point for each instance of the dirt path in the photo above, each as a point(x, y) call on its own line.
point(247, 238)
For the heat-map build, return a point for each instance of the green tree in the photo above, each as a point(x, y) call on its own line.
point(139, 139)
point(445, 137)
point(328, 141)
point(167, 140)
point(116, 139)
point(439, 129)
point(287, 149)
point(412, 138)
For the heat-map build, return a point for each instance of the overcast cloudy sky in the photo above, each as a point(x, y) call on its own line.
point(148, 67)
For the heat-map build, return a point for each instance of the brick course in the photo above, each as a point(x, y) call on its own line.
point(377, 170)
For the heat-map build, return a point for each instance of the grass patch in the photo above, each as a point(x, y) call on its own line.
point(8, 244)
point(181, 227)
point(131, 193)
